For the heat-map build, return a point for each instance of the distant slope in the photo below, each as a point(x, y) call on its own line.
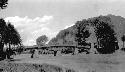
point(67, 36)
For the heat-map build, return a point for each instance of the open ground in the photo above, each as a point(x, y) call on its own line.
point(81, 63)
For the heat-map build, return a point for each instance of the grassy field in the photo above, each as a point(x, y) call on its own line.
point(27, 67)
point(80, 63)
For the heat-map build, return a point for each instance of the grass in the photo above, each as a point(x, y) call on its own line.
point(26, 67)
point(82, 63)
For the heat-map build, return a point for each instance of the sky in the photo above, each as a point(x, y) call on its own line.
point(33, 18)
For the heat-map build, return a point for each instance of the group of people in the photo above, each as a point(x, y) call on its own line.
point(9, 52)
point(6, 54)
point(34, 53)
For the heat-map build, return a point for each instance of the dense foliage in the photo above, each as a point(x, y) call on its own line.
point(81, 33)
point(12, 37)
point(105, 34)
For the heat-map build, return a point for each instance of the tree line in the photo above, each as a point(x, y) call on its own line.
point(102, 36)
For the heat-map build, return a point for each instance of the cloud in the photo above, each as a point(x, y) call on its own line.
point(30, 29)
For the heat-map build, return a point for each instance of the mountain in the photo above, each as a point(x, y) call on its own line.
point(67, 36)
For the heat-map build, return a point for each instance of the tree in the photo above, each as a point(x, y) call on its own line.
point(3, 29)
point(81, 33)
point(13, 36)
point(40, 41)
point(123, 39)
point(105, 36)
point(8, 35)
point(65, 37)
point(3, 4)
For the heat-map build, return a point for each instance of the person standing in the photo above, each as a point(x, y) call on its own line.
point(55, 52)
point(8, 53)
point(32, 53)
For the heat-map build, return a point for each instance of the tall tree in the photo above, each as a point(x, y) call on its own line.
point(40, 41)
point(13, 36)
point(3, 30)
point(65, 37)
point(105, 36)
point(3, 5)
point(81, 33)
point(123, 39)
point(8, 35)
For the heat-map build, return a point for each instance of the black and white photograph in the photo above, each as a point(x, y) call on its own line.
point(62, 35)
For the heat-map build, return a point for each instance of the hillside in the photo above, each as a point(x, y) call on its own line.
point(67, 36)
